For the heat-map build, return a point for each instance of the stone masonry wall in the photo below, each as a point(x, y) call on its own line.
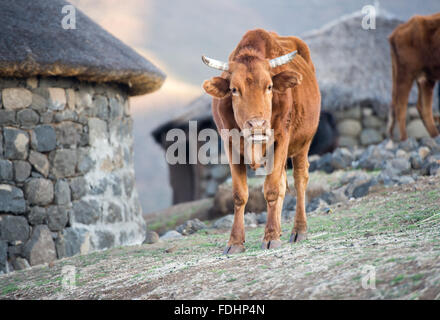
point(66, 170)
point(361, 126)
point(358, 127)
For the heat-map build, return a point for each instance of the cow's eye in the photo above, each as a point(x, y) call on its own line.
point(234, 91)
point(269, 88)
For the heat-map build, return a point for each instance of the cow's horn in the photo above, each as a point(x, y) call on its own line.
point(216, 64)
point(276, 62)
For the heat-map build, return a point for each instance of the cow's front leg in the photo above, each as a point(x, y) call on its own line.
point(240, 196)
point(274, 192)
point(301, 176)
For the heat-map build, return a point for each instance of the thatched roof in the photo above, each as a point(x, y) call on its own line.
point(353, 65)
point(197, 110)
point(33, 42)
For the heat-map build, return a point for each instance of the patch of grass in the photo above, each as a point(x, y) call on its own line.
point(9, 288)
point(398, 279)
point(251, 282)
point(231, 279)
point(220, 271)
point(416, 277)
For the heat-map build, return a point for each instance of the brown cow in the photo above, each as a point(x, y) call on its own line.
point(264, 85)
point(415, 55)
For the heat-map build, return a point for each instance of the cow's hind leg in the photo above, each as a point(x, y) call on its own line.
point(301, 176)
point(240, 196)
point(400, 101)
point(424, 104)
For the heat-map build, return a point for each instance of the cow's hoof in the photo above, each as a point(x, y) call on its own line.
point(272, 244)
point(236, 248)
point(297, 237)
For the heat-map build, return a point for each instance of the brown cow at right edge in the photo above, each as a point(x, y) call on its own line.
point(415, 55)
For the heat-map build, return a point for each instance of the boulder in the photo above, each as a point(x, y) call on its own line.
point(250, 220)
point(370, 136)
point(224, 202)
point(347, 142)
point(224, 222)
point(341, 159)
point(64, 162)
point(79, 187)
point(104, 239)
point(16, 143)
point(151, 237)
point(11, 199)
point(27, 118)
point(22, 170)
point(172, 234)
point(40, 248)
point(57, 218)
point(62, 192)
point(68, 133)
point(20, 264)
point(39, 191)
point(37, 215)
point(190, 227)
point(39, 162)
point(262, 217)
point(349, 127)
point(74, 241)
point(86, 212)
point(13, 228)
point(6, 172)
point(417, 129)
point(16, 98)
point(43, 138)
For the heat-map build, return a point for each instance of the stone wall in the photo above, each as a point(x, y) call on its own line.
point(358, 126)
point(362, 126)
point(66, 170)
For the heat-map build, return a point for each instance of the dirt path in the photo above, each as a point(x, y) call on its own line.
point(392, 235)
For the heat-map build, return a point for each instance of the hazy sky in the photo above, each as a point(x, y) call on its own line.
point(175, 33)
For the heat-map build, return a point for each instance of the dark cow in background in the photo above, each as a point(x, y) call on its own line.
point(326, 138)
point(268, 83)
point(415, 55)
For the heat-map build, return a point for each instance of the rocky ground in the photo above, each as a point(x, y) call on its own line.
point(335, 178)
point(385, 245)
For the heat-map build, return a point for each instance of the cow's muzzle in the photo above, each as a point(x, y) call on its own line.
point(257, 130)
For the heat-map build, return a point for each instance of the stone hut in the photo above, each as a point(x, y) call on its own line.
point(193, 181)
point(353, 67)
point(66, 147)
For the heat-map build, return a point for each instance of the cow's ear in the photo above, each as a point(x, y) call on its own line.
point(217, 87)
point(286, 79)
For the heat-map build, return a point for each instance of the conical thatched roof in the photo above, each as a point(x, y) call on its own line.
point(197, 110)
point(33, 42)
point(353, 65)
